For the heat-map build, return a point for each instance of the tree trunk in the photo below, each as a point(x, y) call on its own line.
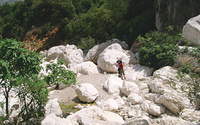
point(7, 97)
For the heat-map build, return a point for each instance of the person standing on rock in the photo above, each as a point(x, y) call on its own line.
point(120, 68)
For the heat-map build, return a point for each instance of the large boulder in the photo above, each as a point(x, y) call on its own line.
point(191, 30)
point(52, 106)
point(86, 68)
point(70, 54)
point(107, 59)
point(134, 98)
point(95, 113)
point(156, 110)
point(137, 71)
point(166, 84)
point(113, 85)
point(190, 115)
point(129, 87)
point(52, 119)
point(171, 120)
point(94, 53)
point(86, 92)
point(108, 105)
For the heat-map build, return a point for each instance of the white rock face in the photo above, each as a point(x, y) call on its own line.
point(129, 87)
point(113, 85)
point(52, 119)
point(52, 106)
point(94, 53)
point(86, 68)
point(96, 113)
point(166, 73)
point(156, 110)
point(191, 30)
point(107, 59)
point(137, 72)
point(190, 115)
point(54, 52)
point(69, 54)
point(108, 105)
point(169, 97)
point(86, 92)
point(145, 105)
point(134, 98)
point(170, 120)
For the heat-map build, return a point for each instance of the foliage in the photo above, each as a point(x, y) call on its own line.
point(59, 74)
point(86, 44)
point(33, 95)
point(193, 83)
point(78, 19)
point(15, 62)
point(158, 49)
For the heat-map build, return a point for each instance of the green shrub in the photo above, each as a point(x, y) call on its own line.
point(86, 44)
point(59, 74)
point(158, 49)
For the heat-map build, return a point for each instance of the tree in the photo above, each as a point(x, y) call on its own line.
point(59, 74)
point(15, 62)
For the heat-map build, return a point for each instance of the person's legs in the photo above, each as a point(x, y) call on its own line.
point(123, 74)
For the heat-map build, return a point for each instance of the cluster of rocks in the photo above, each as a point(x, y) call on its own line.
point(153, 100)
point(145, 97)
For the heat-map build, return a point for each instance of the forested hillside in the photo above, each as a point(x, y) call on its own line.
point(8, 1)
point(54, 22)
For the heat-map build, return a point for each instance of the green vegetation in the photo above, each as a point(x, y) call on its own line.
point(19, 69)
point(100, 20)
point(59, 74)
point(158, 49)
point(193, 83)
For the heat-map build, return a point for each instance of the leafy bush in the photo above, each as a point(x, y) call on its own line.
point(59, 74)
point(86, 44)
point(158, 49)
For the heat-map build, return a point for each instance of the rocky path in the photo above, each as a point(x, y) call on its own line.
point(68, 95)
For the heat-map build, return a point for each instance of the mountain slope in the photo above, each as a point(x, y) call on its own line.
point(9, 1)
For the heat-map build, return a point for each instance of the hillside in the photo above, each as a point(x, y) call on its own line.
point(9, 1)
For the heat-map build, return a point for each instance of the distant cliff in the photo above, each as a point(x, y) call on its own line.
point(175, 13)
point(9, 1)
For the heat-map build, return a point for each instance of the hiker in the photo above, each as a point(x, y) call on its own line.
point(120, 66)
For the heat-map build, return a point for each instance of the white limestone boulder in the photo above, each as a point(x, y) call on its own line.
point(137, 71)
point(70, 54)
point(129, 87)
point(165, 83)
point(171, 120)
point(52, 119)
point(86, 68)
point(107, 59)
point(175, 102)
point(156, 110)
point(190, 115)
point(145, 105)
point(52, 106)
point(108, 105)
point(166, 73)
point(86, 92)
point(113, 85)
point(54, 52)
point(95, 113)
point(94, 53)
point(134, 98)
point(191, 31)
